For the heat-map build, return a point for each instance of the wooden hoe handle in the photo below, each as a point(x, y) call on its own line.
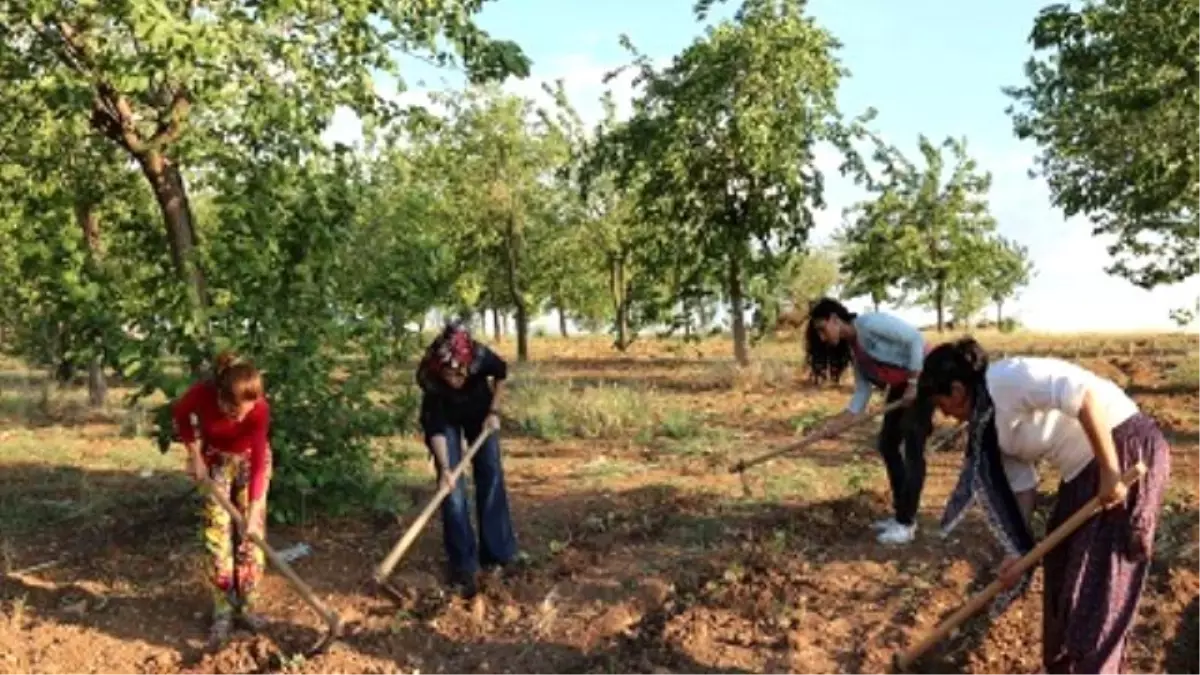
point(812, 438)
point(902, 660)
point(328, 615)
point(384, 570)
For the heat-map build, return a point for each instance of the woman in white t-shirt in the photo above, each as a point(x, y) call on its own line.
point(1023, 411)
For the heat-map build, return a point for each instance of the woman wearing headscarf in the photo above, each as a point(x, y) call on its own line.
point(462, 383)
point(885, 353)
point(224, 422)
point(1023, 411)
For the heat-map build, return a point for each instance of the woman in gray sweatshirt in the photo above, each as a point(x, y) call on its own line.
point(886, 353)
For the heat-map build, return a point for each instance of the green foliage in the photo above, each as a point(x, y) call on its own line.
point(1113, 101)
point(508, 226)
point(1008, 269)
point(869, 248)
point(71, 222)
point(800, 279)
point(926, 232)
point(721, 146)
point(286, 295)
point(552, 411)
point(619, 267)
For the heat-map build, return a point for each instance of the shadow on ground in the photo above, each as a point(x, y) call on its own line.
point(650, 579)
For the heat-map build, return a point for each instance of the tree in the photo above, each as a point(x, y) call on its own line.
point(399, 239)
point(611, 229)
point(173, 84)
point(1112, 100)
point(802, 278)
point(965, 301)
point(575, 252)
point(497, 199)
point(294, 290)
point(721, 143)
point(870, 259)
point(1007, 270)
point(59, 182)
point(931, 229)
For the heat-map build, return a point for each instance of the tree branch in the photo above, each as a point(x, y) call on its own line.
point(121, 127)
point(111, 114)
point(170, 127)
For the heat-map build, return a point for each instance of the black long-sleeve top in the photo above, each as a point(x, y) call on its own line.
point(443, 406)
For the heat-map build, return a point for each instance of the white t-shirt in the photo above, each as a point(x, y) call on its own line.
point(1037, 408)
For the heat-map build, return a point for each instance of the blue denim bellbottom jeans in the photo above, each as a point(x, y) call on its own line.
point(497, 542)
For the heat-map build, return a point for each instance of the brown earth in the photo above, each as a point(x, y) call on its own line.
point(648, 560)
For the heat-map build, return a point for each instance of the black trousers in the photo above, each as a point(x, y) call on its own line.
point(902, 444)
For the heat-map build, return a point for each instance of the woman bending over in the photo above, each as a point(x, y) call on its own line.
point(886, 353)
point(1023, 411)
point(224, 423)
point(461, 383)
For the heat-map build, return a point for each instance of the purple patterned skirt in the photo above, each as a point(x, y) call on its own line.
point(1094, 579)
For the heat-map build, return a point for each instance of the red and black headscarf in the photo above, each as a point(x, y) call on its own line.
point(452, 350)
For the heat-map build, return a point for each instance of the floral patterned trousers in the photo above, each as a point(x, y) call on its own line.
point(235, 565)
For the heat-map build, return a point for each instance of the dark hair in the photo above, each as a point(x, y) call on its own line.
point(237, 381)
point(825, 361)
point(963, 360)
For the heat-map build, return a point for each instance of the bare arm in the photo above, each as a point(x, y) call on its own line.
point(1095, 424)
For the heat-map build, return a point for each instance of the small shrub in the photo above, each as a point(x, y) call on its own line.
point(808, 420)
point(680, 425)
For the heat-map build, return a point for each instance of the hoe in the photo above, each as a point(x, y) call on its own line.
point(901, 661)
point(384, 569)
point(332, 621)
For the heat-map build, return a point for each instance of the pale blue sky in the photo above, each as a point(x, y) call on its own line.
point(928, 66)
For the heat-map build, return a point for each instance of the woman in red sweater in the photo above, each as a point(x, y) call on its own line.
point(224, 423)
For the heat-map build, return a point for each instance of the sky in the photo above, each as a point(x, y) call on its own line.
point(928, 66)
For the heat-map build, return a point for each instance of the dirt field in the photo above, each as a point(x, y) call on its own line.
point(645, 553)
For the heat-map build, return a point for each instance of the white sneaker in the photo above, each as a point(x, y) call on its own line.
point(898, 534)
point(884, 524)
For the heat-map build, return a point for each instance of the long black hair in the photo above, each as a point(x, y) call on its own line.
point(982, 476)
point(825, 361)
point(963, 361)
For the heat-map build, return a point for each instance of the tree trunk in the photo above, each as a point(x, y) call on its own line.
point(562, 322)
point(876, 304)
point(616, 282)
point(169, 191)
point(522, 321)
point(89, 226)
point(496, 323)
point(939, 299)
point(738, 319)
point(514, 288)
point(97, 386)
point(999, 313)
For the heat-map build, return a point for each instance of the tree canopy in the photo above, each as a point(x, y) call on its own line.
point(1112, 101)
point(165, 192)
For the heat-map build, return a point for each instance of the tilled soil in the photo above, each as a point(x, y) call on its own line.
point(669, 569)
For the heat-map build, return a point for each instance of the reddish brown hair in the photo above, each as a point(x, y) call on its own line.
point(237, 381)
